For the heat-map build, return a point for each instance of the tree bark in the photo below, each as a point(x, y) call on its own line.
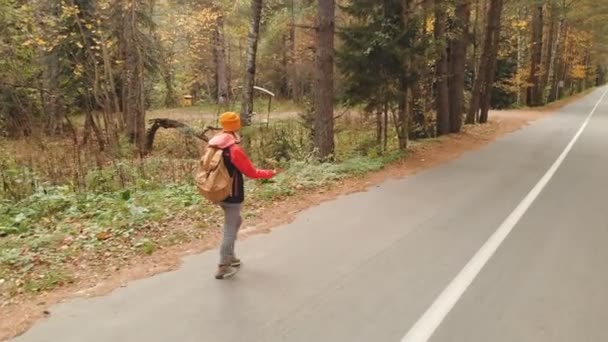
point(51, 103)
point(90, 124)
point(167, 74)
point(133, 78)
point(549, 33)
point(556, 64)
point(534, 93)
point(250, 65)
point(482, 89)
point(402, 123)
point(422, 90)
point(103, 84)
point(520, 58)
point(471, 115)
point(494, 18)
point(378, 127)
point(442, 101)
point(221, 70)
point(292, 69)
point(324, 79)
point(458, 62)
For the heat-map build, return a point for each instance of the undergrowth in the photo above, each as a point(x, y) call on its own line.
point(67, 210)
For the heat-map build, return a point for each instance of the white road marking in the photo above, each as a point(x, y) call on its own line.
point(429, 322)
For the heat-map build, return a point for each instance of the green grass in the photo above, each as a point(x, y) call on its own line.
point(43, 235)
point(47, 281)
point(65, 211)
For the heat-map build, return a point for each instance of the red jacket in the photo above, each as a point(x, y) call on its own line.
point(238, 164)
point(240, 160)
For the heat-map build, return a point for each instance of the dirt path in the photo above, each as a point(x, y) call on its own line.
point(17, 318)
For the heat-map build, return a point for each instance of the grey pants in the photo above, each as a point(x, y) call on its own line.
point(232, 223)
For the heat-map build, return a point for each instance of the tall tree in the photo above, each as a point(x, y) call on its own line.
point(493, 33)
point(557, 53)
point(324, 80)
point(442, 101)
point(549, 32)
point(458, 62)
point(411, 29)
point(250, 64)
point(375, 58)
point(291, 47)
point(534, 91)
point(221, 68)
point(419, 98)
point(133, 46)
point(165, 43)
point(484, 80)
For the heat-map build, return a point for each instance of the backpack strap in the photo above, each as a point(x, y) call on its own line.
point(212, 158)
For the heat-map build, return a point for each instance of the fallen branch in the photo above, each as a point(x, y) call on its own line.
point(170, 123)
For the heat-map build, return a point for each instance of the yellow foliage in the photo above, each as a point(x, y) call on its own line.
point(520, 24)
point(578, 72)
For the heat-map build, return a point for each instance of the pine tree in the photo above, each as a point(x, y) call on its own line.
point(374, 47)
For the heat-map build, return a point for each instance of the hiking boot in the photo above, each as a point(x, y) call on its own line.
point(225, 271)
point(235, 262)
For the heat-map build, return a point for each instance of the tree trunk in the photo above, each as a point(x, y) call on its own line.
point(471, 115)
point(549, 33)
point(481, 7)
point(405, 106)
point(378, 127)
point(104, 89)
point(324, 80)
point(51, 106)
point(553, 65)
point(292, 68)
point(458, 62)
point(494, 16)
point(170, 96)
point(385, 128)
point(167, 74)
point(520, 59)
point(482, 89)
point(284, 82)
point(133, 78)
point(422, 90)
point(221, 70)
point(112, 106)
point(90, 124)
point(250, 64)
point(534, 93)
point(442, 101)
point(401, 121)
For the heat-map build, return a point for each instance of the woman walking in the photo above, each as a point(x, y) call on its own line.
point(238, 164)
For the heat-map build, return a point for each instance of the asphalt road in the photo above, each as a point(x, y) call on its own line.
point(507, 243)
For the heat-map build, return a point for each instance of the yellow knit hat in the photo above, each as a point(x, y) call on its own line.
point(230, 121)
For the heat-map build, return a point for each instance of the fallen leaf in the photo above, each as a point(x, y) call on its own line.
point(103, 236)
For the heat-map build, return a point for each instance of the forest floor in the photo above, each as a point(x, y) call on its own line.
point(18, 313)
